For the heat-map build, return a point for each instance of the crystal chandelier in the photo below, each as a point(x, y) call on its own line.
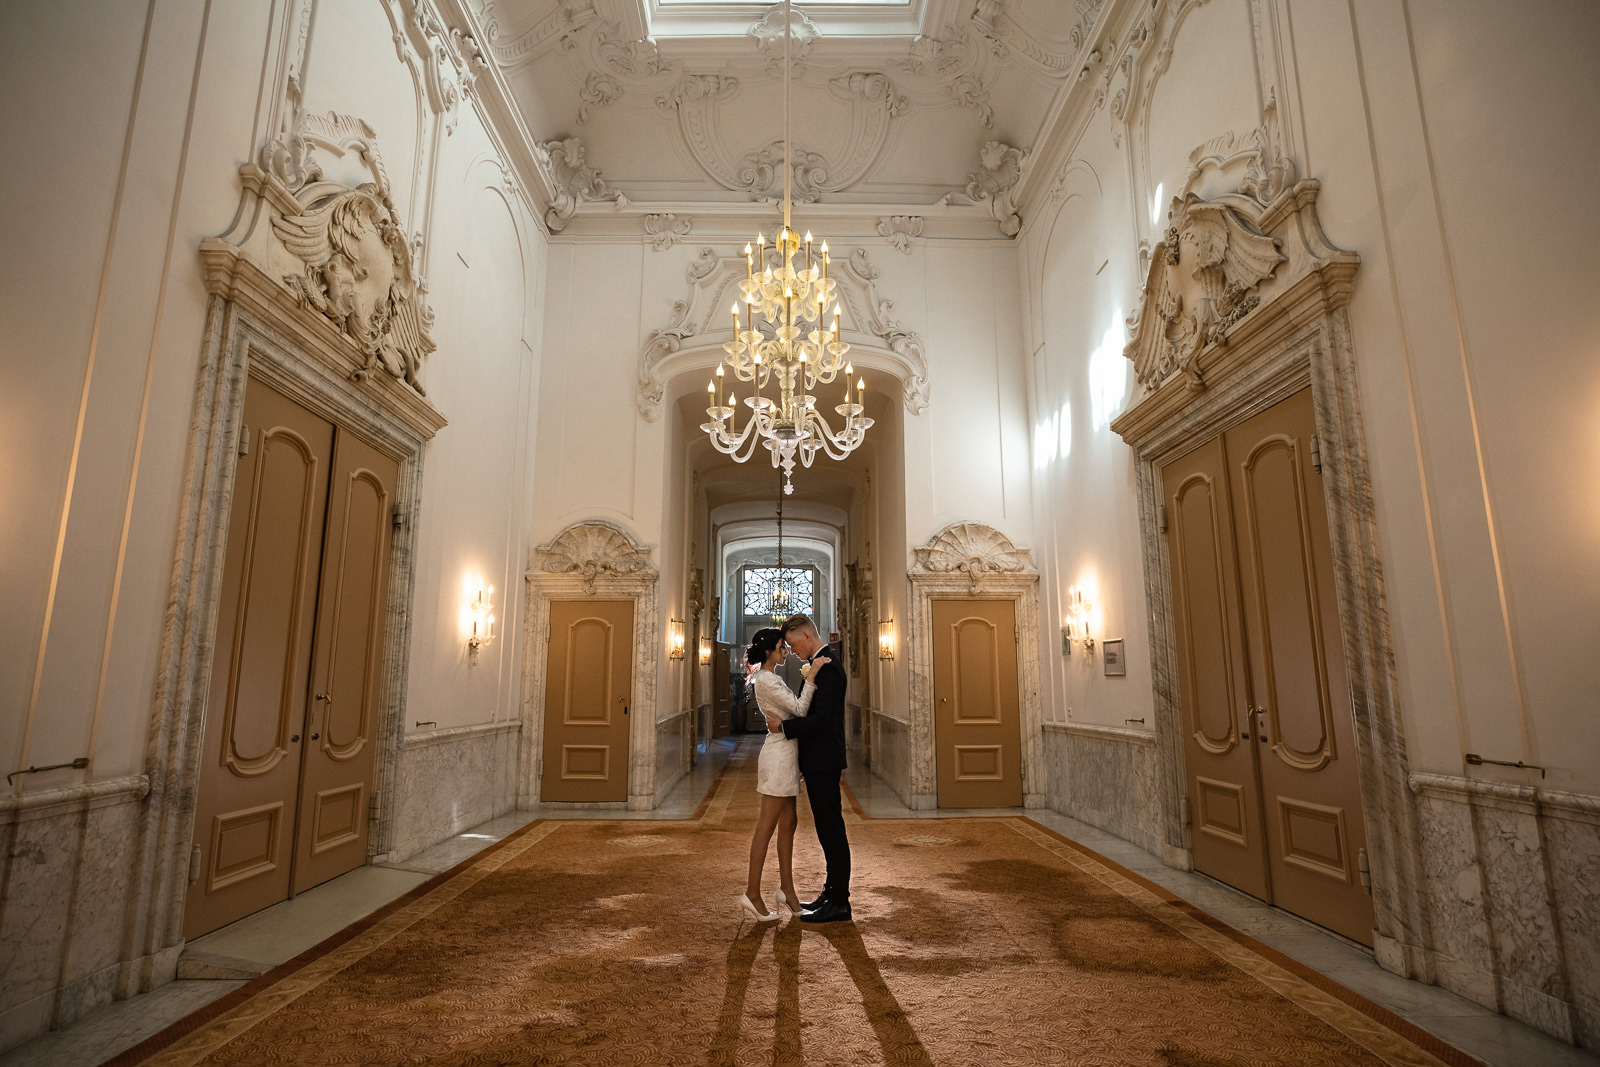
point(785, 340)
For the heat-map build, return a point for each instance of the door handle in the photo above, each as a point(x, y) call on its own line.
point(295, 740)
point(315, 736)
point(325, 698)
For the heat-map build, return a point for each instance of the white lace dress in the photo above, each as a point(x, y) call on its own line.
point(778, 769)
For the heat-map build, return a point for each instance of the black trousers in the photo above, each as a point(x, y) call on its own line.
point(822, 787)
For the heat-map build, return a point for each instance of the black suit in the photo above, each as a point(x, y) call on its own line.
point(822, 758)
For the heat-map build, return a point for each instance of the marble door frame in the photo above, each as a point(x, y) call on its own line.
point(971, 561)
point(1297, 337)
point(593, 560)
point(256, 328)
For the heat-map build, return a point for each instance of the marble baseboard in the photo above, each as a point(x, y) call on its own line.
point(891, 753)
point(1513, 894)
point(69, 858)
point(1105, 776)
point(450, 780)
point(674, 741)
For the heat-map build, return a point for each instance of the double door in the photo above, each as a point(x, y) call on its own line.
point(292, 713)
point(1268, 732)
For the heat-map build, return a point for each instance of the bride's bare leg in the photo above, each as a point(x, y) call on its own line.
point(766, 822)
point(787, 820)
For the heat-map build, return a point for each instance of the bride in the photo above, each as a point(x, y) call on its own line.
point(777, 774)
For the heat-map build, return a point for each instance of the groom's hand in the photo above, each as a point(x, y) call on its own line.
point(774, 724)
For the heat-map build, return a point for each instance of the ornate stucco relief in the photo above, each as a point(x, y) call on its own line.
point(664, 230)
point(338, 250)
point(902, 231)
point(973, 549)
point(1202, 279)
point(999, 170)
point(590, 550)
point(575, 181)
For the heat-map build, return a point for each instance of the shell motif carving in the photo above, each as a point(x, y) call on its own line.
point(973, 549)
point(592, 549)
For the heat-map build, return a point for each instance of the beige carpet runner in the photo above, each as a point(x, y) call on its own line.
point(976, 942)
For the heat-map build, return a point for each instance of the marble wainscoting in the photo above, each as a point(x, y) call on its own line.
point(1107, 777)
point(69, 859)
point(674, 743)
point(451, 780)
point(1513, 891)
point(891, 752)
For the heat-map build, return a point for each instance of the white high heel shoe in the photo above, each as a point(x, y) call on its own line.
point(785, 902)
point(752, 912)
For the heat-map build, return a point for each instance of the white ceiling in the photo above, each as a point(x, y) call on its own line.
point(680, 102)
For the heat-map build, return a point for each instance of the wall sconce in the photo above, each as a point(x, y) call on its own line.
point(705, 652)
point(886, 639)
point(480, 615)
point(1077, 624)
point(675, 637)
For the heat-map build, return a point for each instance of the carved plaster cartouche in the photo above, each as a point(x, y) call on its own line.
point(592, 549)
point(974, 549)
point(358, 274)
point(1202, 279)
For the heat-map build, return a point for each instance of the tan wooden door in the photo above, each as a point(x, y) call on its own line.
point(1266, 700)
point(1224, 800)
point(588, 689)
point(1301, 697)
point(256, 708)
point(347, 667)
point(977, 720)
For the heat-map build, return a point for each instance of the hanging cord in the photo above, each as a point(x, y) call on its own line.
point(788, 165)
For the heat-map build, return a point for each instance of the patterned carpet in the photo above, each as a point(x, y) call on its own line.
point(976, 941)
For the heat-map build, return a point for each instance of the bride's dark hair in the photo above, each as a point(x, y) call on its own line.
point(762, 644)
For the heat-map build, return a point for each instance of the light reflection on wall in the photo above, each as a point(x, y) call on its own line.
point(1052, 437)
point(1108, 375)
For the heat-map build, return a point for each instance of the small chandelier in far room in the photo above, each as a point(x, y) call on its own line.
point(789, 289)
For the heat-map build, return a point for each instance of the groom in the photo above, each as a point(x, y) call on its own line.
point(821, 735)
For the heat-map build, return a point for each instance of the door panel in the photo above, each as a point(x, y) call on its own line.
point(1224, 799)
point(250, 764)
point(1305, 731)
point(347, 669)
point(588, 690)
point(977, 719)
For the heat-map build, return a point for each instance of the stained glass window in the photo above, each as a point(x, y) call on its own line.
point(760, 583)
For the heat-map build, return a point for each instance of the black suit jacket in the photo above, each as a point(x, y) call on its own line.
point(821, 730)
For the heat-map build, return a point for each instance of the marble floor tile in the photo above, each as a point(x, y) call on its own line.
point(117, 1026)
point(1504, 1043)
point(285, 930)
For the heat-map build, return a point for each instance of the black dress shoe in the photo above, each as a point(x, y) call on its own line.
point(822, 898)
point(829, 912)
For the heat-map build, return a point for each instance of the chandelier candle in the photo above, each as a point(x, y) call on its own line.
point(790, 346)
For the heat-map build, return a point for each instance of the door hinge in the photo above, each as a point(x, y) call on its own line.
point(194, 864)
point(1184, 815)
point(1161, 517)
point(244, 441)
point(372, 805)
point(397, 516)
point(1364, 870)
point(1316, 453)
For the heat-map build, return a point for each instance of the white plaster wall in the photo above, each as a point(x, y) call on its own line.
point(1430, 125)
point(137, 118)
